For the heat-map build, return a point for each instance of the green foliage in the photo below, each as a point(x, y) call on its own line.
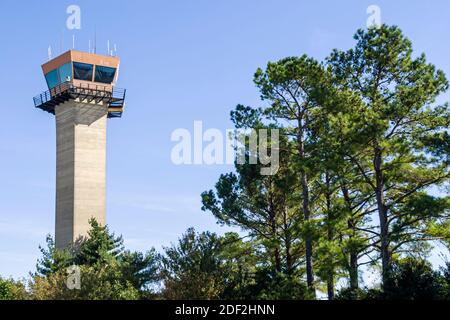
point(193, 268)
point(396, 137)
point(262, 205)
point(205, 266)
point(413, 279)
point(280, 286)
point(107, 271)
point(12, 290)
point(446, 281)
point(363, 143)
point(53, 260)
point(359, 294)
point(140, 269)
point(100, 246)
point(409, 279)
point(97, 283)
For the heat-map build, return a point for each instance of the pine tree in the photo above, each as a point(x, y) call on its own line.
point(399, 134)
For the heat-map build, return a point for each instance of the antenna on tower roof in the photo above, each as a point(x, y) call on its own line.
point(95, 39)
point(115, 49)
point(73, 41)
point(90, 50)
point(49, 52)
point(109, 51)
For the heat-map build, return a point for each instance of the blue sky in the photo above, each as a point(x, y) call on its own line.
point(181, 61)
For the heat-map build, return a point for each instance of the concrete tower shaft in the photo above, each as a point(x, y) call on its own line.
point(80, 167)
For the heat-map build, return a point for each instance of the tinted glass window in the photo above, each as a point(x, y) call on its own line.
point(52, 79)
point(65, 72)
point(82, 71)
point(104, 74)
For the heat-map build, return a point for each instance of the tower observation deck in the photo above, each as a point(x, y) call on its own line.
point(82, 95)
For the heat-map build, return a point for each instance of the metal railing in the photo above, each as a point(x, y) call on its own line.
point(114, 97)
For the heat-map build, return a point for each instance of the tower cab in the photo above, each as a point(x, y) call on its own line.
point(82, 75)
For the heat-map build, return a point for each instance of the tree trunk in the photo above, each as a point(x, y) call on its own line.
point(288, 246)
point(353, 255)
point(382, 214)
point(273, 226)
point(276, 253)
point(305, 204)
point(308, 240)
point(354, 278)
point(289, 262)
point(277, 259)
point(330, 236)
point(306, 214)
point(330, 288)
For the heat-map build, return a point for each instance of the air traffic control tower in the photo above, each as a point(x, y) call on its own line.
point(81, 95)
